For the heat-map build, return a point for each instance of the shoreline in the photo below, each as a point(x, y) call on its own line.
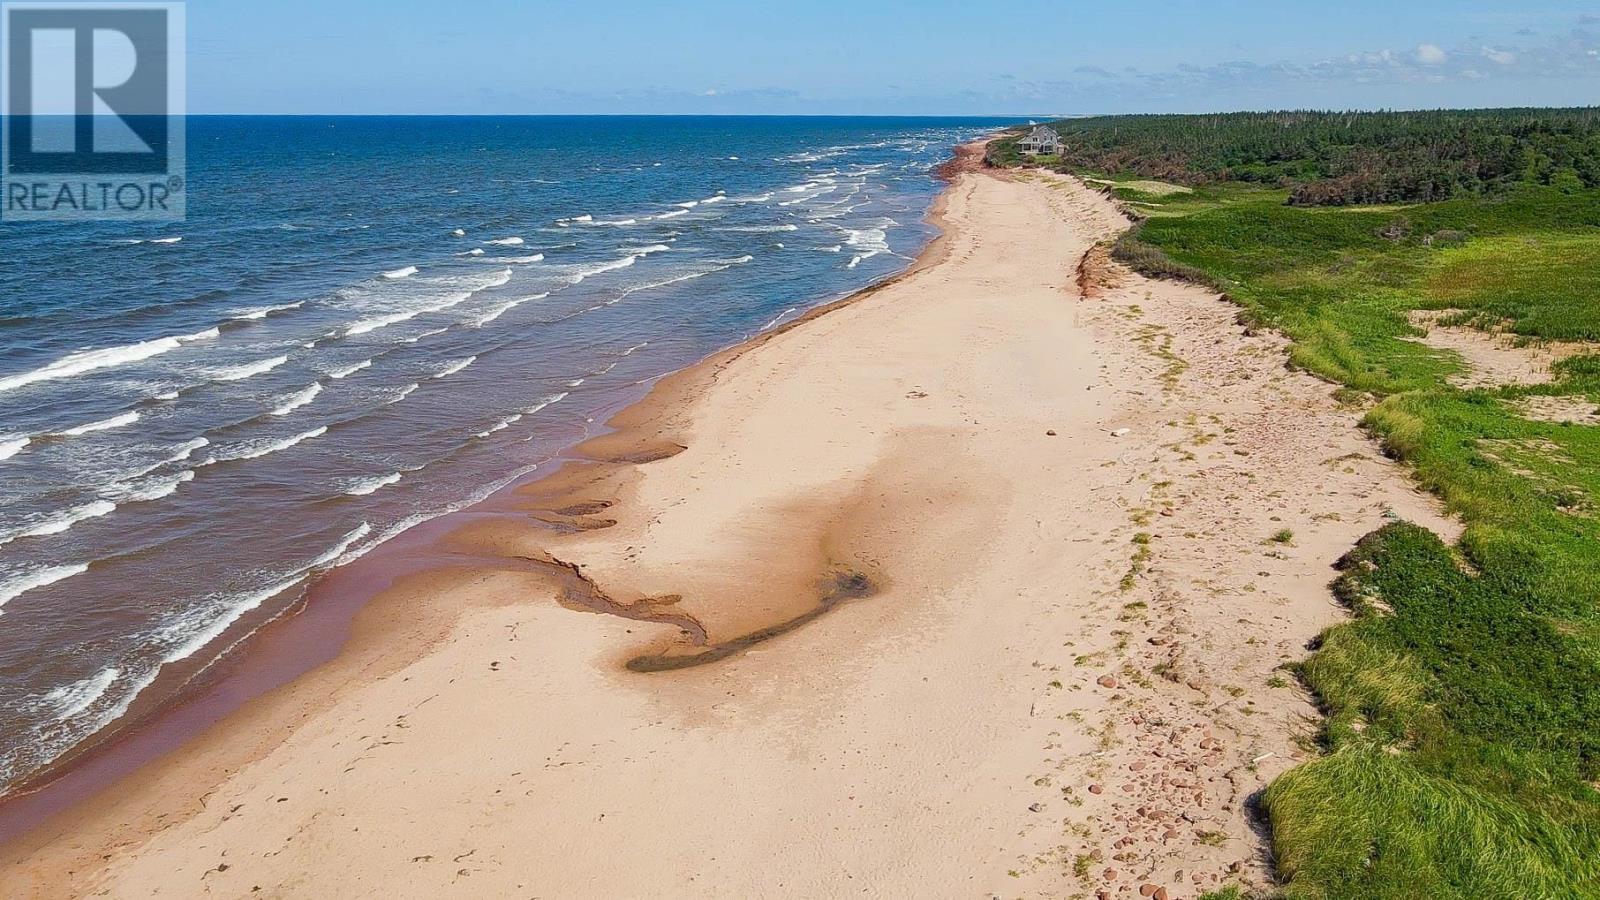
point(313, 632)
point(1050, 621)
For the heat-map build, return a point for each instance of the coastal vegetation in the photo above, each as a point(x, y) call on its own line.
point(1334, 158)
point(1460, 753)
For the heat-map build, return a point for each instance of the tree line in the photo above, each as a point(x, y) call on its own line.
point(1341, 158)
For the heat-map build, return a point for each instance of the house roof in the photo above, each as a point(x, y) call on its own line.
point(1043, 133)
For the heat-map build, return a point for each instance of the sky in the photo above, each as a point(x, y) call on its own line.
point(883, 57)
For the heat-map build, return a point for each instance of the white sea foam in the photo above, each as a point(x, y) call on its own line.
point(251, 315)
point(298, 399)
point(185, 450)
point(579, 276)
point(871, 240)
point(502, 309)
point(438, 305)
point(165, 240)
point(516, 260)
point(547, 401)
point(85, 361)
point(180, 453)
point(723, 265)
point(153, 488)
point(455, 367)
point(819, 190)
point(501, 425)
point(69, 700)
point(117, 421)
point(59, 522)
point(236, 606)
point(779, 318)
point(619, 222)
point(623, 263)
point(759, 229)
point(350, 370)
point(404, 393)
point(344, 544)
point(384, 321)
point(674, 214)
point(11, 446)
point(506, 242)
point(412, 521)
point(459, 232)
point(260, 448)
point(248, 370)
point(16, 586)
point(75, 699)
point(475, 251)
point(425, 334)
point(361, 487)
point(397, 274)
point(390, 534)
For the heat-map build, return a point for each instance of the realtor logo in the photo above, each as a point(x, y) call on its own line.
point(92, 104)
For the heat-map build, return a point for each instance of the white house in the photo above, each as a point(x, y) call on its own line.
point(1042, 141)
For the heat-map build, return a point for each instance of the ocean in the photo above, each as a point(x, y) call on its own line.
point(365, 324)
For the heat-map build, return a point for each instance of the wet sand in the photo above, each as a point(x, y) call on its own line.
point(934, 593)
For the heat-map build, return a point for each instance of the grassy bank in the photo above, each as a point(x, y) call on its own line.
point(1461, 751)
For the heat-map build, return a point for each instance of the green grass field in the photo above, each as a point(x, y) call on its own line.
point(1461, 749)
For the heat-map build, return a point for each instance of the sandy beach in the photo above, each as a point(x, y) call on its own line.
point(966, 586)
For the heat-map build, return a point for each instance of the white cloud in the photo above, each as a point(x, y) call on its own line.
point(1500, 57)
point(1430, 54)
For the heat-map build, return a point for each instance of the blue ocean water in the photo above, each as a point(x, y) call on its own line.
point(363, 324)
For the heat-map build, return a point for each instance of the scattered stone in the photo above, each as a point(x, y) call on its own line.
point(1036, 807)
point(1108, 681)
point(1120, 432)
point(1095, 789)
point(1051, 432)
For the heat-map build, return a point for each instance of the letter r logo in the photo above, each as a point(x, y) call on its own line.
point(87, 89)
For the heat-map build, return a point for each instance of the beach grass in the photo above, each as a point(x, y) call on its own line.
point(1461, 746)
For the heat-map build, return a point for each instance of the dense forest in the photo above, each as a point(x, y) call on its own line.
point(1348, 158)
